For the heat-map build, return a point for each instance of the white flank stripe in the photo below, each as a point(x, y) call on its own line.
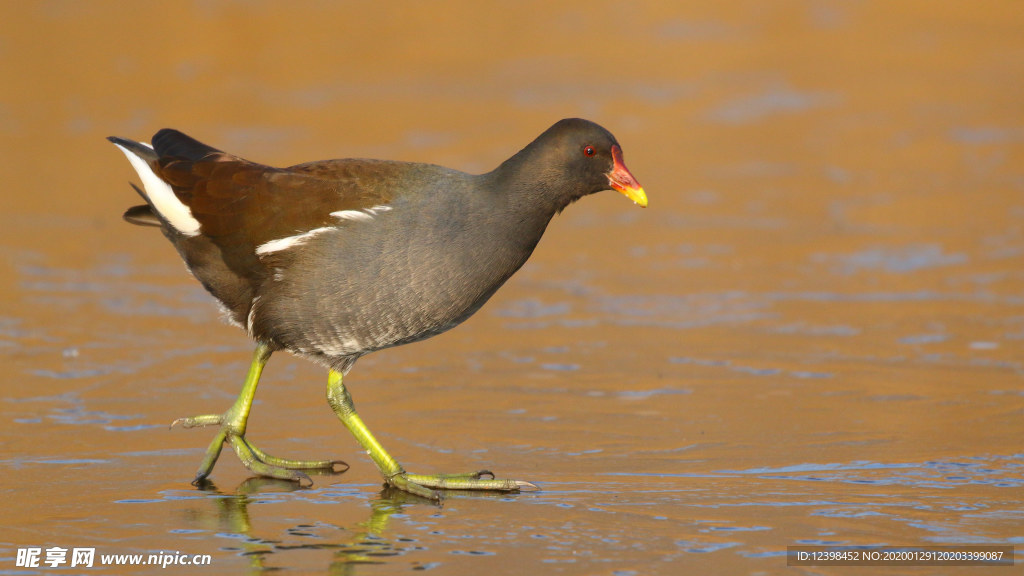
point(289, 242)
point(353, 215)
point(360, 215)
point(162, 197)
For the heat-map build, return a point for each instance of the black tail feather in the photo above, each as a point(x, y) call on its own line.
point(140, 150)
point(142, 215)
point(168, 142)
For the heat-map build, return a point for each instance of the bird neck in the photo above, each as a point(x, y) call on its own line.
point(531, 187)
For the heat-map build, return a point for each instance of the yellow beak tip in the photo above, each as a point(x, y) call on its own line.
point(637, 195)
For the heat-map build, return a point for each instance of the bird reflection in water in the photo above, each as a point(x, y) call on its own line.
point(367, 542)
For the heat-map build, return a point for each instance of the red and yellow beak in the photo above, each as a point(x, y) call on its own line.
point(622, 180)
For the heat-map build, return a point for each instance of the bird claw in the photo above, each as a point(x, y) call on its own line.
point(254, 459)
point(523, 485)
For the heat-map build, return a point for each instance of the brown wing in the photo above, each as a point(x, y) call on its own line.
point(241, 205)
point(252, 203)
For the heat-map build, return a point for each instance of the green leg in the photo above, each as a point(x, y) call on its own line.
point(232, 431)
point(396, 476)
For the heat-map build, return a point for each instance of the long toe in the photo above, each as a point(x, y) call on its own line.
point(315, 466)
point(256, 460)
point(199, 421)
point(471, 481)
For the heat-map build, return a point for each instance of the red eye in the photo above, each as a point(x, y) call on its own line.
point(589, 151)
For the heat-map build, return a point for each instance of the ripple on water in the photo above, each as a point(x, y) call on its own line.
point(999, 471)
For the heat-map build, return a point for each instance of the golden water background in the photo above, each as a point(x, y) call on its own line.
point(813, 335)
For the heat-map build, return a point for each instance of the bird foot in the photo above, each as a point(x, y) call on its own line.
point(422, 484)
point(256, 460)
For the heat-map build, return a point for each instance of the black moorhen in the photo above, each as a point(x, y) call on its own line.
point(335, 259)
